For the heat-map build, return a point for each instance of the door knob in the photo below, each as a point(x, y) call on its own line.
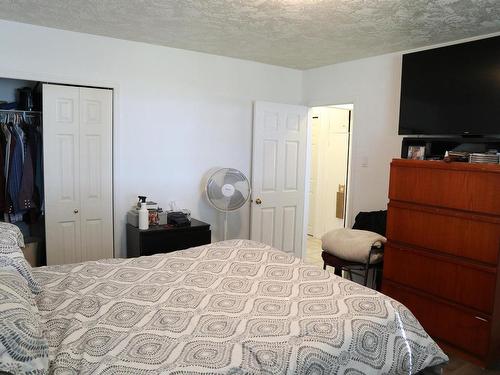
point(75, 210)
point(258, 201)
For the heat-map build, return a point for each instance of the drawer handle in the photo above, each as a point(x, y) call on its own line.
point(478, 317)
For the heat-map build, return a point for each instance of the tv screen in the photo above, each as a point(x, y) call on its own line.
point(453, 90)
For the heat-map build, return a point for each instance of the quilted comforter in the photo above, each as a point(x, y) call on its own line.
point(233, 307)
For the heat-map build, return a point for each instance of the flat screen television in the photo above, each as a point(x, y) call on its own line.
point(452, 90)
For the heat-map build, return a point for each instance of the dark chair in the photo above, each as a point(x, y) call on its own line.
point(374, 221)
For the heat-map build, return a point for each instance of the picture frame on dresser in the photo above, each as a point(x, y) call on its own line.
point(416, 152)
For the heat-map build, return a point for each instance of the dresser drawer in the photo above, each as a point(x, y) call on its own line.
point(471, 236)
point(443, 321)
point(463, 284)
point(165, 242)
point(442, 186)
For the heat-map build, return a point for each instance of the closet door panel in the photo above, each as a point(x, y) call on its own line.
point(61, 154)
point(96, 173)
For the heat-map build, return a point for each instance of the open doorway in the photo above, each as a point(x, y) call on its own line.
point(328, 171)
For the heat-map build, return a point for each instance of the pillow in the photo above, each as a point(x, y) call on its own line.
point(13, 256)
point(10, 235)
point(23, 349)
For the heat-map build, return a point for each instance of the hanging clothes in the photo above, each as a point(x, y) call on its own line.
point(38, 163)
point(26, 191)
point(16, 170)
point(6, 150)
point(21, 174)
point(25, 198)
point(10, 151)
point(3, 202)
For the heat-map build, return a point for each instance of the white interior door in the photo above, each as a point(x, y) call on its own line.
point(77, 135)
point(96, 212)
point(278, 175)
point(335, 176)
point(333, 149)
point(61, 157)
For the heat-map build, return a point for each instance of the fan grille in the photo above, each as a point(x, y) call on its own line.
point(228, 189)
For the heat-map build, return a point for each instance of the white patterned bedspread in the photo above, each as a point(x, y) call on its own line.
point(233, 307)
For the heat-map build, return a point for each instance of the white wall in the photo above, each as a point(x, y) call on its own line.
point(373, 86)
point(177, 113)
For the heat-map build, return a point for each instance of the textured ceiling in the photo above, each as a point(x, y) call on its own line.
point(294, 33)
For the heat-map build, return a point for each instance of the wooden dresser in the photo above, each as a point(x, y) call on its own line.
point(442, 255)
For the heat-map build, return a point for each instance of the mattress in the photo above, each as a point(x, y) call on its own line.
point(233, 307)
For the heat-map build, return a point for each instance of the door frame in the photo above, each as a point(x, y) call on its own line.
point(115, 136)
point(350, 179)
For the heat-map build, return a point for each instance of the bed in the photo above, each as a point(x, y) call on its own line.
point(233, 307)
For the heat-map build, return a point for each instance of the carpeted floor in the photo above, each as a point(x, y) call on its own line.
point(313, 254)
point(458, 366)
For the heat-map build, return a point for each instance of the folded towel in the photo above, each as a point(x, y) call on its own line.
point(353, 244)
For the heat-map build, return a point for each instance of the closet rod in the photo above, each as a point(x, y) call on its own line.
point(19, 111)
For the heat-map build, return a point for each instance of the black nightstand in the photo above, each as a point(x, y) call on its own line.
point(165, 239)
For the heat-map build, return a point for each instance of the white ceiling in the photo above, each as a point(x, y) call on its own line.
point(293, 33)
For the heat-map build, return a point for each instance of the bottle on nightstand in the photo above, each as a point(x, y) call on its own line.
point(143, 217)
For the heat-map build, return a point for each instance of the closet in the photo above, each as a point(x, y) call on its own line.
point(56, 169)
point(21, 163)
